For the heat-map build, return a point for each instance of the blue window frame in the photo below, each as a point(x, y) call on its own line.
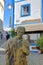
point(25, 10)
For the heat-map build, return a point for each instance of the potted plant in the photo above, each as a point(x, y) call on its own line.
point(12, 33)
point(40, 44)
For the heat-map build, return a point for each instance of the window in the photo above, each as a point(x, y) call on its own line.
point(25, 10)
point(34, 37)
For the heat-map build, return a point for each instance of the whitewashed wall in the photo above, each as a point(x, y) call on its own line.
point(1, 14)
point(35, 10)
point(2, 1)
point(1, 9)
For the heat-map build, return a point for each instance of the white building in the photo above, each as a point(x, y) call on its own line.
point(1, 15)
point(1, 9)
point(29, 13)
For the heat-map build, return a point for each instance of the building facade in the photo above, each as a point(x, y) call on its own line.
point(1, 13)
point(27, 13)
point(1, 9)
point(1, 16)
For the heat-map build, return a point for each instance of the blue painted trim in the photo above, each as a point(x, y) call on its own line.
point(26, 23)
point(30, 22)
point(21, 10)
point(42, 11)
point(13, 15)
point(19, 1)
point(33, 44)
point(34, 51)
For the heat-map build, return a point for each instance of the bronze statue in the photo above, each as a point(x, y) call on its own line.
point(17, 49)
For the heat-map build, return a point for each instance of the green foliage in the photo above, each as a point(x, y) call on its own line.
point(12, 33)
point(40, 43)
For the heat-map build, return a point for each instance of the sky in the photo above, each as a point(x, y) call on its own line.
point(7, 12)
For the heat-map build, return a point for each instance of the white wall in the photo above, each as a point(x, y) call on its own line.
point(2, 1)
point(1, 9)
point(35, 10)
point(1, 14)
